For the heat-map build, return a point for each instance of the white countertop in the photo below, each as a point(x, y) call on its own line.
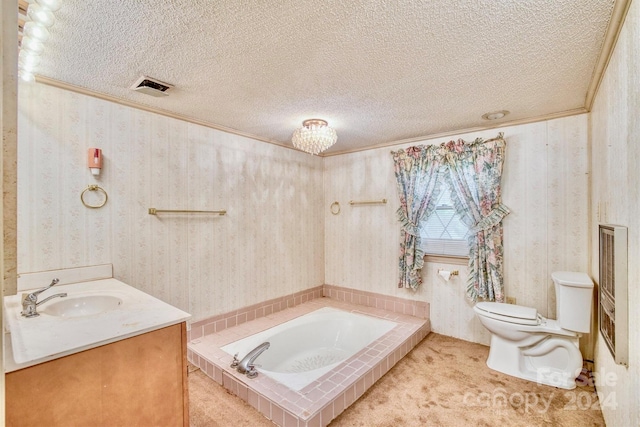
point(47, 337)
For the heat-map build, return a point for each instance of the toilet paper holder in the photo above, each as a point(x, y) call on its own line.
point(446, 274)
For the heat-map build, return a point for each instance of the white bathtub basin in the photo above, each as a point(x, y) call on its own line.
point(303, 349)
point(82, 305)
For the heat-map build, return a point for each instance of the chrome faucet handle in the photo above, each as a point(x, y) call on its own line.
point(53, 282)
point(252, 372)
point(28, 298)
point(236, 361)
point(29, 302)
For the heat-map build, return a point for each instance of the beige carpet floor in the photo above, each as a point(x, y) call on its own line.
point(443, 381)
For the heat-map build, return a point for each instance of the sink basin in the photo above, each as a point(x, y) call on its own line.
point(95, 313)
point(81, 305)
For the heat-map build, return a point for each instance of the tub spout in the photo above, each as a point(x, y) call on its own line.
point(244, 365)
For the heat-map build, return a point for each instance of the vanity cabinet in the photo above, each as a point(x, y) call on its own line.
point(138, 381)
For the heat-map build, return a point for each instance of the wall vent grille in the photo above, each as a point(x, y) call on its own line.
point(613, 308)
point(150, 86)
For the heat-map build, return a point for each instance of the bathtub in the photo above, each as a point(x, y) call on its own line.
point(305, 348)
point(331, 384)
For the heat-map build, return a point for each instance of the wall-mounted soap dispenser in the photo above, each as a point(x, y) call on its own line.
point(94, 160)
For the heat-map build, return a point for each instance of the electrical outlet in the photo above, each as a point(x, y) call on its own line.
point(511, 300)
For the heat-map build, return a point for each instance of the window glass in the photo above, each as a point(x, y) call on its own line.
point(445, 233)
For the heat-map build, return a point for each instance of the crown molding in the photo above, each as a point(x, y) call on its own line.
point(446, 134)
point(618, 15)
point(77, 89)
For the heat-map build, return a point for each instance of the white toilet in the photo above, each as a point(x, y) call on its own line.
point(526, 345)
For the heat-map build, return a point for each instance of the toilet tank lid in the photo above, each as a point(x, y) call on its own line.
point(509, 310)
point(574, 279)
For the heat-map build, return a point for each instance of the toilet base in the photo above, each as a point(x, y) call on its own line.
point(552, 361)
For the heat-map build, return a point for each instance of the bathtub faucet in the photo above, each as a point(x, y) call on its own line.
point(246, 366)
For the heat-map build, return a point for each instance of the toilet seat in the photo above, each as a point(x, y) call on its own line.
point(511, 313)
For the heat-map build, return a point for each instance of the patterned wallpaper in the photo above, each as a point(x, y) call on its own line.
point(615, 132)
point(545, 184)
point(279, 236)
point(268, 245)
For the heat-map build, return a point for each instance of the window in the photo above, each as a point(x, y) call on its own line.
point(445, 233)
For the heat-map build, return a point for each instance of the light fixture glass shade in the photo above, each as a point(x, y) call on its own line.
point(26, 76)
point(314, 136)
point(495, 115)
point(34, 46)
point(41, 15)
point(28, 61)
point(52, 5)
point(36, 31)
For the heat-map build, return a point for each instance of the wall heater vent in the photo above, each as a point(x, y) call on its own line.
point(613, 312)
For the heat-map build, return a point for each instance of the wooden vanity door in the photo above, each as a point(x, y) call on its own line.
point(138, 381)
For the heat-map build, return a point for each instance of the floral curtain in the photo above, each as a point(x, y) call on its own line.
point(473, 172)
point(417, 171)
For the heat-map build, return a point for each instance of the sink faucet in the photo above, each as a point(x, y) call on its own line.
point(30, 300)
point(246, 366)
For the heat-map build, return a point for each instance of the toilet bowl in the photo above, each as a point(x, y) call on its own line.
point(526, 345)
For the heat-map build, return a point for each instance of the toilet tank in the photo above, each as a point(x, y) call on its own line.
point(574, 296)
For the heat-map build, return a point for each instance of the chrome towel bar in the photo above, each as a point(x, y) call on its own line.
point(154, 211)
point(369, 202)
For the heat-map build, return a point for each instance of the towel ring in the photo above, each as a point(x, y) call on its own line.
point(94, 187)
point(335, 210)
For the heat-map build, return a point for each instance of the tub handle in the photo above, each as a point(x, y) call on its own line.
point(252, 372)
point(236, 361)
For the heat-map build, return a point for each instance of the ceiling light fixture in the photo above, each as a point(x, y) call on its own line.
point(314, 136)
point(495, 115)
point(35, 34)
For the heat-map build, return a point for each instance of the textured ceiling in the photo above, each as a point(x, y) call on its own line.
point(378, 71)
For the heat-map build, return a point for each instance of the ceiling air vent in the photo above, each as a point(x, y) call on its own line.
point(150, 86)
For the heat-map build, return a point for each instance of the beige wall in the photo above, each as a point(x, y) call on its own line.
point(268, 245)
point(545, 184)
point(8, 128)
point(273, 240)
point(615, 137)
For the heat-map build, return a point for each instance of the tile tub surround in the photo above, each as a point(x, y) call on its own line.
point(324, 399)
point(233, 318)
point(230, 319)
point(371, 299)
